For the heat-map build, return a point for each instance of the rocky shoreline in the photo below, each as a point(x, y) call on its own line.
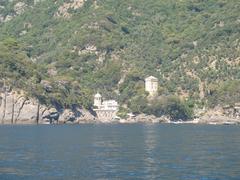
point(212, 120)
point(15, 108)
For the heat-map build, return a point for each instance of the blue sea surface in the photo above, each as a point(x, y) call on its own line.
point(167, 152)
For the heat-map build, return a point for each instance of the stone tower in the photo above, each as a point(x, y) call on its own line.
point(97, 100)
point(151, 85)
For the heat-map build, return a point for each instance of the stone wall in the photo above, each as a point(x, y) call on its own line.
point(105, 115)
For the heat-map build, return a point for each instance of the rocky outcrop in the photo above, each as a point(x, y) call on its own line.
point(18, 9)
point(76, 116)
point(220, 115)
point(63, 11)
point(216, 119)
point(16, 108)
point(143, 118)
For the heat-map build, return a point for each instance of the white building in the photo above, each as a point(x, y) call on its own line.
point(151, 85)
point(105, 110)
point(105, 105)
point(97, 100)
point(109, 105)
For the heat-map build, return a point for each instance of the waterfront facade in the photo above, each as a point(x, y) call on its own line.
point(105, 110)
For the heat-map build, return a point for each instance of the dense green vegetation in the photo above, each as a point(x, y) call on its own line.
point(225, 93)
point(192, 46)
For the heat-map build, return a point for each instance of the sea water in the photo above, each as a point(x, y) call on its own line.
point(137, 151)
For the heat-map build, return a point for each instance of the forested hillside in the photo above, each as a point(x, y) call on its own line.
point(64, 51)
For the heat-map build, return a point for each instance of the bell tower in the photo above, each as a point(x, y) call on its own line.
point(97, 100)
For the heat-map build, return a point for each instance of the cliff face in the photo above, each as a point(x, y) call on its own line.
point(18, 109)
